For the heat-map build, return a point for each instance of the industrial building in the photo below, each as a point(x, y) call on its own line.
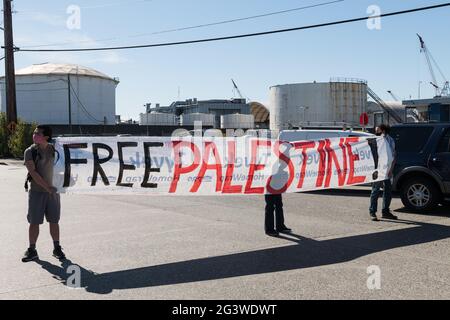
point(218, 114)
point(435, 110)
point(63, 94)
point(336, 103)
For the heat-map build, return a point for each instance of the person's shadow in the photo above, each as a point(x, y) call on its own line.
point(305, 253)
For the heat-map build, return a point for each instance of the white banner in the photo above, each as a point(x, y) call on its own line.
point(216, 166)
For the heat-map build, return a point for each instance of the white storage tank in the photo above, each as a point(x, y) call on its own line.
point(237, 121)
point(43, 94)
point(317, 104)
point(158, 119)
point(206, 119)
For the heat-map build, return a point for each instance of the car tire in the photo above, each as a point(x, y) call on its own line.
point(420, 194)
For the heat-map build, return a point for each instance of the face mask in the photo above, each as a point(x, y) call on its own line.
point(38, 139)
point(378, 134)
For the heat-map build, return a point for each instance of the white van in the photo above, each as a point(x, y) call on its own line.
point(300, 135)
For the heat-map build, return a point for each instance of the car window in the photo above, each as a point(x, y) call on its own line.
point(411, 139)
point(444, 144)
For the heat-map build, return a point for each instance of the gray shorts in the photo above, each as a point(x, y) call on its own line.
point(42, 204)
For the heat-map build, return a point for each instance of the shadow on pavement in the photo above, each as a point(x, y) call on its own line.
point(306, 253)
point(441, 211)
point(365, 193)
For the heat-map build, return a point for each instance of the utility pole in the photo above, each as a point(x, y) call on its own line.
point(10, 77)
point(69, 98)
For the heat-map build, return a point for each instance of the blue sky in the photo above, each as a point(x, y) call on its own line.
point(388, 58)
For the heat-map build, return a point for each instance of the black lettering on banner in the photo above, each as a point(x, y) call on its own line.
point(148, 164)
point(123, 166)
point(98, 162)
point(374, 149)
point(68, 160)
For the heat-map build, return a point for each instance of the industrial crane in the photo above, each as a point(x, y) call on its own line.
point(393, 96)
point(411, 114)
point(440, 92)
point(235, 87)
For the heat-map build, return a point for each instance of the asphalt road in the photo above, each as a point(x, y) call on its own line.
point(215, 248)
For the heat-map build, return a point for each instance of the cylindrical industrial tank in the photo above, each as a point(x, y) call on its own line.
point(158, 119)
point(43, 95)
point(237, 121)
point(317, 104)
point(206, 119)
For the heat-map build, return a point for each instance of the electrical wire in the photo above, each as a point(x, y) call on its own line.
point(72, 89)
point(42, 82)
point(39, 90)
point(242, 35)
point(195, 26)
point(83, 107)
point(248, 18)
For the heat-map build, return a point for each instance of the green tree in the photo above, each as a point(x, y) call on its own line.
point(3, 136)
point(21, 139)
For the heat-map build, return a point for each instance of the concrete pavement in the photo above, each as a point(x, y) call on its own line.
point(137, 247)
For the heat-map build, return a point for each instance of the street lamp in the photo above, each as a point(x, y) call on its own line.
point(147, 111)
point(420, 83)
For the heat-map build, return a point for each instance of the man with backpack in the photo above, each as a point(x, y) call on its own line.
point(42, 197)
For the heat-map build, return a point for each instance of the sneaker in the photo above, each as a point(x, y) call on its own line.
point(58, 253)
point(284, 229)
point(272, 233)
point(373, 217)
point(30, 255)
point(389, 216)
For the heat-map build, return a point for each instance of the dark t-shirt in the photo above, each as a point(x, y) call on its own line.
point(44, 167)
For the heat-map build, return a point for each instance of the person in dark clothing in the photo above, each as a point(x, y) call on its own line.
point(274, 204)
point(383, 131)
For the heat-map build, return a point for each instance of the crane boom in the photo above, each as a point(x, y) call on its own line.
point(444, 91)
point(237, 90)
point(393, 96)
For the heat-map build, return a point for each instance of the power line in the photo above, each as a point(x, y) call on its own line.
point(249, 18)
point(197, 26)
point(242, 35)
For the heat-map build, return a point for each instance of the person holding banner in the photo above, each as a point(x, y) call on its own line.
point(383, 130)
point(42, 197)
point(274, 204)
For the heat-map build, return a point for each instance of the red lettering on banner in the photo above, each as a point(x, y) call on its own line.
point(255, 167)
point(352, 179)
point(304, 145)
point(332, 158)
point(179, 169)
point(209, 147)
point(322, 160)
point(227, 187)
point(286, 160)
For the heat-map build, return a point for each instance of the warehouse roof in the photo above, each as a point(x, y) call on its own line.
point(62, 69)
point(260, 111)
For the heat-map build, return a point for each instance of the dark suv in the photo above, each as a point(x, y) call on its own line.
point(422, 171)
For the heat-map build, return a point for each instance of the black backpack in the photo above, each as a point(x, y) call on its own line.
point(35, 155)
